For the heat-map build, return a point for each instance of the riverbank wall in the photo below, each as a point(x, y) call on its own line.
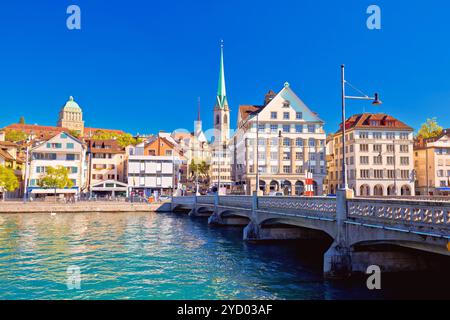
point(97, 206)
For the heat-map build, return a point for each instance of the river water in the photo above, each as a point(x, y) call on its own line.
point(169, 256)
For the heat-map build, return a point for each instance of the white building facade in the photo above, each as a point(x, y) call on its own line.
point(61, 150)
point(150, 174)
point(291, 146)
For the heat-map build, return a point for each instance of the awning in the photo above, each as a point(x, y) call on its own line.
point(52, 191)
point(444, 189)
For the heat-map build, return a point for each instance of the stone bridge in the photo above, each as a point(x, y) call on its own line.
point(362, 232)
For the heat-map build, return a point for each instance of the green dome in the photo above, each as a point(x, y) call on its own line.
point(71, 106)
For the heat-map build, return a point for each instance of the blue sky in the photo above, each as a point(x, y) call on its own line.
point(139, 65)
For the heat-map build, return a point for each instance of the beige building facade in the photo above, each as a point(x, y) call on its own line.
point(432, 164)
point(379, 156)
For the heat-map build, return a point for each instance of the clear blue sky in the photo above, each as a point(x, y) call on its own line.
point(139, 65)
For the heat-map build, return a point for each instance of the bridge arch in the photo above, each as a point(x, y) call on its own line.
point(327, 228)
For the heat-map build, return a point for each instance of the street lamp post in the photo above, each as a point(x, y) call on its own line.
point(25, 191)
point(376, 101)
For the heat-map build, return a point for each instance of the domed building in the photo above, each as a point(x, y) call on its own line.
point(71, 117)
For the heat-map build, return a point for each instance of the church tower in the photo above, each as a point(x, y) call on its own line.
point(221, 109)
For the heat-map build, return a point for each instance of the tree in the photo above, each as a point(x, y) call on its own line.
point(15, 135)
point(75, 133)
point(430, 129)
point(22, 120)
point(56, 178)
point(123, 139)
point(8, 180)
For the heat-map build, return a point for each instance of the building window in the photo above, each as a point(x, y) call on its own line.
point(261, 127)
point(274, 155)
point(69, 146)
point(299, 155)
point(298, 115)
point(390, 160)
point(364, 160)
point(391, 174)
point(378, 160)
point(404, 148)
point(311, 128)
point(364, 174)
point(274, 169)
point(286, 169)
point(405, 174)
point(273, 115)
point(312, 142)
point(299, 142)
point(286, 115)
point(378, 174)
point(390, 148)
point(363, 135)
point(404, 161)
point(377, 135)
point(390, 135)
point(377, 148)
point(298, 128)
point(286, 156)
point(287, 142)
point(273, 128)
point(286, 128)
point(404, 136)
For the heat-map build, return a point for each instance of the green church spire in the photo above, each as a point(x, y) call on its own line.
point(222, 101)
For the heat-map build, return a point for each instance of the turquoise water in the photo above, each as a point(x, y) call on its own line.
point(156, 256)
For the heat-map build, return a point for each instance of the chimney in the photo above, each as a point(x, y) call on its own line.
point(268, 97)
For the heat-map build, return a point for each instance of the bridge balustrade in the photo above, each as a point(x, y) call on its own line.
point(314, 206)
point(426, 215)
point(236, 201)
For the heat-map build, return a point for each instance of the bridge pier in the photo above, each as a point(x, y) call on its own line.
point(337, 262)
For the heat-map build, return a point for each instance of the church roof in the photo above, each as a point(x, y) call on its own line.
point(222, 101)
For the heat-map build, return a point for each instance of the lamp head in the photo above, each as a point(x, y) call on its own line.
point(376, 100)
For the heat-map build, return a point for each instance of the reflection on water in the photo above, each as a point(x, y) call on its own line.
point(162, 256)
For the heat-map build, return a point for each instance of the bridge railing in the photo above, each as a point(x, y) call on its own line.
point(236, 201)
point(205, 199)
point(184, 200)
point(320, 207)
point(415, 215)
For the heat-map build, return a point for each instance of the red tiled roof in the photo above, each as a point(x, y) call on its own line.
point(365, 121)
point(98, 146)
point(5, 155)
point(246, 110)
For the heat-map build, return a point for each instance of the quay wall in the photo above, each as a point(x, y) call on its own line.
point(107, 206)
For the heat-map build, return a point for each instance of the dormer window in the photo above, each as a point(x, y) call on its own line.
point(374, 123)
point(286, 104)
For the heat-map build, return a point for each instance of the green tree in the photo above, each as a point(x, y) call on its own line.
point(15, 135)
point(56, 178)
point(123, 139)
point(430, 129)
point(22, 120)
point(75, 133)
point(8, 180)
